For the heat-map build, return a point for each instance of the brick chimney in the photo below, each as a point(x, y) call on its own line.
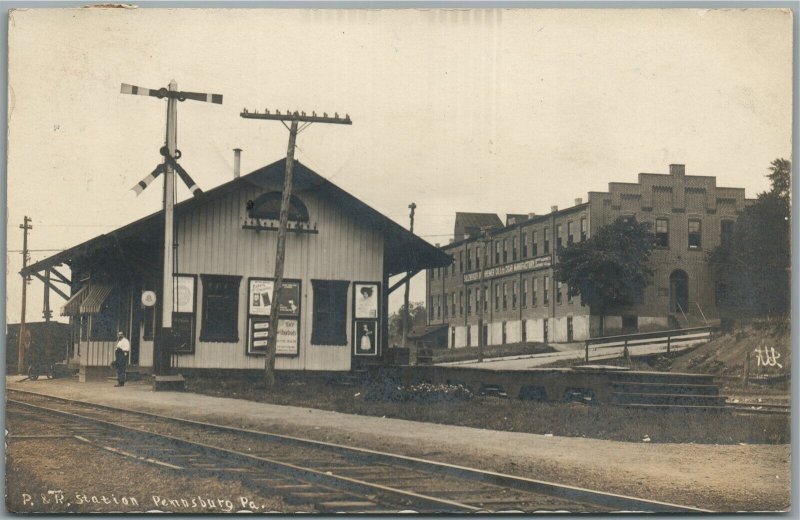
point(237, 162)
point(679, 170)
point(553, 209)
point(578, 201)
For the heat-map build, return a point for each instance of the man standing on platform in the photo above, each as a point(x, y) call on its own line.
point(121, 354)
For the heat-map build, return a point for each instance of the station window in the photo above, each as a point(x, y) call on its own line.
point(695, 230)
point(329, 313)
point(546, 242)
point(524, 245)
point(570, 232)
point(559, 286)
point(534, 244)
point(104, 322)
point(220, 308)
point(662, 232)
point(584, 229)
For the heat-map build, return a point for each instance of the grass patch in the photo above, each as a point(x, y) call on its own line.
point(571, 420)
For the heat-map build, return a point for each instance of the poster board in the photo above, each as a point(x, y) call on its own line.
point(366, 330)
point(259, 303)
point(182, 334)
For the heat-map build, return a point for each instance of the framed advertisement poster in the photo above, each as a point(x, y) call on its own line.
point(260, 298)
point(367, 298)
point(288, 343)
point(365, 337)
point(261, 295)
point(184, 290)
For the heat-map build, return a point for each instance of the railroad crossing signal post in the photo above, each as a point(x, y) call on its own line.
point(169, 167)
point(21, 346)
point(294, 118)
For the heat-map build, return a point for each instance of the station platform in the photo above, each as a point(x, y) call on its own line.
point(692, 474)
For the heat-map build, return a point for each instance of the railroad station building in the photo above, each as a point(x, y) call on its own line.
point(522, 300)
point(340, 253)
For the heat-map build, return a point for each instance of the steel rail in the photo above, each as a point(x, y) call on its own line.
point(574, 493)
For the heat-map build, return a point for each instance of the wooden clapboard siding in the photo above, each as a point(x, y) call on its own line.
point(211, 241)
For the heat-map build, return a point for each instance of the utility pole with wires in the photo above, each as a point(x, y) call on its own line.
point(406, 315)
point(24, 336)
point(293, 118)
point(169, 167)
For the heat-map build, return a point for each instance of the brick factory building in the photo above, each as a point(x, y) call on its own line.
point(690, 215)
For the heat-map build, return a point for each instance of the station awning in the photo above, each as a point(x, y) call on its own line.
point(94, 299)
point(72, 306)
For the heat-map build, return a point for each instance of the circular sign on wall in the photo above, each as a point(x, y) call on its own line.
point(148, 298)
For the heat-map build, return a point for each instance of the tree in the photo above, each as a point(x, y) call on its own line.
point(752, 269)
point(611, 268)
point(417, 316)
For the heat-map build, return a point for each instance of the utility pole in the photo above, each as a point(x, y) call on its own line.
point(406, 315)
point(481, 298)
point(294, 118)
point(25, 227)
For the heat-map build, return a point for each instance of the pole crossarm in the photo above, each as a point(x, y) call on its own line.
point(49, 284)
point(298, 116)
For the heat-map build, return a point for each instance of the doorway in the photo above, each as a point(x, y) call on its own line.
point(679, 291)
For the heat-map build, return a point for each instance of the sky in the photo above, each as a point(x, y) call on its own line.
point(503, 111)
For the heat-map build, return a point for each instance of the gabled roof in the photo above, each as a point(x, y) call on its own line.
point(404, 251)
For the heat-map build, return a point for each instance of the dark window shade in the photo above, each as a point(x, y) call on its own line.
point(220, 308)
point(104, 323)
point(329, 326)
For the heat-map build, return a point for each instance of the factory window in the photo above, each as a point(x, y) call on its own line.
point(546, 243)
point(477, 258)
point(524, 298)
point(694, 234)
point(469, 259)
point(546, 290)
point(461, 261)
point(329, 313)
point(514, 294)
point(469, 302)
point(534, 287)
point(662, 232)
point(523, 330)
point(505, 251)
point(453, 264)
point(534, 244)
point(570, 232)
point(453, 305)
point(569, 294)
point(558, 237)
point(445, 297)
point(524, 245)
point(497, 297)
point(461, 303)
point(505, 296)
point(584, 229)
point(439, 306)
point(514, 249)
point(496, 252)
point(726, 230)
point(558, 292)
point(220, 308)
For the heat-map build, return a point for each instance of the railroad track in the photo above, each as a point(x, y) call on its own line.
point(330, 477)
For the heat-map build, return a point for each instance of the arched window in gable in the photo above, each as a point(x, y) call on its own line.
point(268, 206)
